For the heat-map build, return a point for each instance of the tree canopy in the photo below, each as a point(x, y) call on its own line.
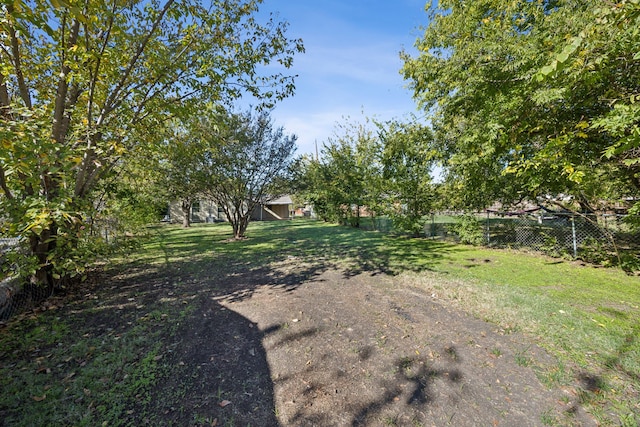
point(383, 168)
point(532, 99)
point(84, 83)
point(408, 158)
point(245, 161)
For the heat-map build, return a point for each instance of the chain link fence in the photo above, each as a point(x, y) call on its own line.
point(605, 239)
point(16, 296)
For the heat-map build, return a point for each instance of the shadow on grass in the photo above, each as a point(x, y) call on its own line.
point(211, 355)
point(624, 355)
point(356, 251)
point(151, 343)
point(216, 374)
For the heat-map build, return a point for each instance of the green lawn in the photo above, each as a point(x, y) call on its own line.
point(588, 318)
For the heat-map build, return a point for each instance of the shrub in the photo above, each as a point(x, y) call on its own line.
point(469, 230)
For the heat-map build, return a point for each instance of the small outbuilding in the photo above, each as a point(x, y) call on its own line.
point(279, 208)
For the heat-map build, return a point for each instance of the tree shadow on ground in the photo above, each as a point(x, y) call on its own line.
point(625, 352)
point(153, 345)
point(215, 368)
point(414, 381)
point(217, 372)
point(355, 251)
point(191, 360)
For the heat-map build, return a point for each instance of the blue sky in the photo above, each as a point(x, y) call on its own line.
point(351, 65)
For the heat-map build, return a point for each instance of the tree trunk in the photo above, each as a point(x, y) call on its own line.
point(241, 228)
point(41, 246)
point(186, 213)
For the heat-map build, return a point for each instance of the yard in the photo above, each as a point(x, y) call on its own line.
point(306, 323)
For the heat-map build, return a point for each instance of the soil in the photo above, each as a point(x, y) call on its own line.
point(310, 345)
point(304, 344)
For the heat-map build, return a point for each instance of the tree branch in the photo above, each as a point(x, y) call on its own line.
point(95, 72)
point(111, 102)
point(17, 63)
point(3, 184)
point(61, 103)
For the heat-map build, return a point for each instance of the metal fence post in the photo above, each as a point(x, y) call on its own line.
point(432, 232)
point(487, 228)
point(573, 232)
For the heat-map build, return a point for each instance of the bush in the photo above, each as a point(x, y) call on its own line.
point(469, 230)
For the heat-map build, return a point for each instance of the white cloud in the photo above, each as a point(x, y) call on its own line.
point(318, 126)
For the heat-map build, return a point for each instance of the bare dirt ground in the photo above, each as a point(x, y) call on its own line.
point(365, 350)
point(315, 345)
point(339, 348)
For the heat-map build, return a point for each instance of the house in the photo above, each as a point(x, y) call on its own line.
point(202, 210)
point(205, 210)
point(273, 209)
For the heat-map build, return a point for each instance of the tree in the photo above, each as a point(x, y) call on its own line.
point(79, 81)
point(347, 177)
point(310, 184)
point(246, 157)
point(504, 131)
point(182, 175)
point(386, 170)
point(605, 56)
point(407, 160)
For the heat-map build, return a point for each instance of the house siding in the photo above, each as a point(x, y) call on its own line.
point(203, 211)
point(207, 211)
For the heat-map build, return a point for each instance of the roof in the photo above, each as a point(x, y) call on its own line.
point(282, 200)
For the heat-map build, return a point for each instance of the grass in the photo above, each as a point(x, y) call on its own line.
point(588, 318)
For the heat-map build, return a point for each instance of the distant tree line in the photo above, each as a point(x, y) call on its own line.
point(374, 167)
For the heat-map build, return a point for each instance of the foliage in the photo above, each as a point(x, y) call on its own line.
point(469, 230)
point(84, 84)
point(532, 99)
point(407, 160)
point(347, 178)
point(179, 161)
point(244, 161)
point(550, 245)
point(384, 169)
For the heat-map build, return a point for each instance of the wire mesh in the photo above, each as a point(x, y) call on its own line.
point(15, 295)
point(595, 238)
point(576, 235)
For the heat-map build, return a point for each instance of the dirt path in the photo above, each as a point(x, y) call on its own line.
point(368, 350)
point(304, 344)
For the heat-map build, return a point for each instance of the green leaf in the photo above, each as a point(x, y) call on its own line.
point(562, 56)
point(548, 69)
